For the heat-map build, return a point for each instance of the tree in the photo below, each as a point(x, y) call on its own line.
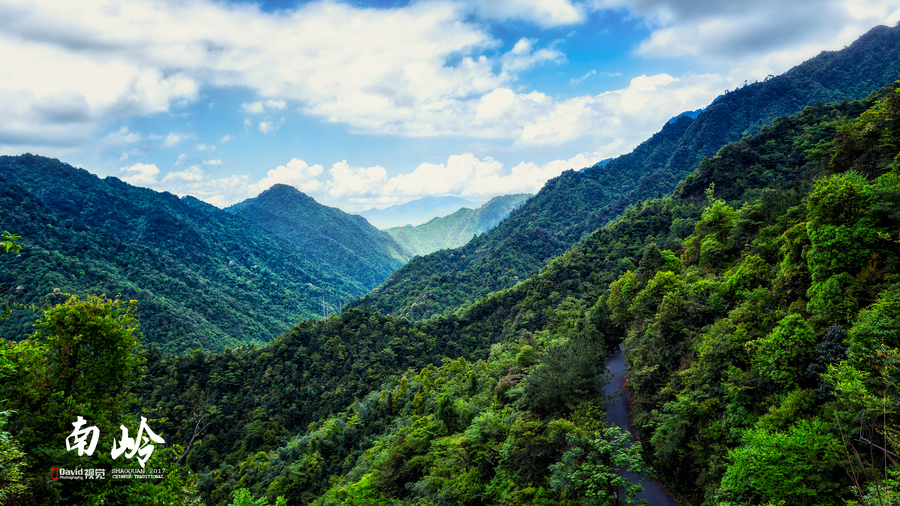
point(242, 497)
point(591, 469)
point(568, 373)
point(796, 466)
point(94, 347)
point(12, 464)
point(9, 242)
point(80, 363)
point(785, 352)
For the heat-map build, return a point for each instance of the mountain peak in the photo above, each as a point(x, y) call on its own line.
point(281, 187)
point(283, 190)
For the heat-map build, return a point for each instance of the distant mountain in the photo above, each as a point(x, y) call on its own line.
point(458, 228)
point(416, 212)
point(203, 277)
point(347, 243)
point(579, 202)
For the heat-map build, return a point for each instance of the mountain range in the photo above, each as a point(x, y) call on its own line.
point(346, 243)
point(203, 277)
point(733, 318)
point(456, 229)
point(748, 266)
point(416, 212)
point(578, 202)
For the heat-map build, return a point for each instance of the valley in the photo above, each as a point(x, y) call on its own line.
point(747, 259)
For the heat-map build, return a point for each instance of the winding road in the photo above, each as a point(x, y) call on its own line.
point(617, 413)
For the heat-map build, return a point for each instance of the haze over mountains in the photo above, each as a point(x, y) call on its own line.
point(416, 212)
point(456, 229)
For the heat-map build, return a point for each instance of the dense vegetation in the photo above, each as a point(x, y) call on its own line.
point(764, 364)
point(376, 422)
point(458, 228)
point(577, 203)
point(346, 243)
point(204, 278)
point(759, 305)
point(81, 364)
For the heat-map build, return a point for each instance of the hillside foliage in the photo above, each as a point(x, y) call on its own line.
point(204, 278)
point(577, 203)
point(758, 304)
point(688, 281)
point(346, 243)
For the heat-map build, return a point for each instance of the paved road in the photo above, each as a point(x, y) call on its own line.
point(617, 413)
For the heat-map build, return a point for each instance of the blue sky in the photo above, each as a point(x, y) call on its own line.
point(368, 103)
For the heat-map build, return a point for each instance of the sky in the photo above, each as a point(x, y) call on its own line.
point(370, 103)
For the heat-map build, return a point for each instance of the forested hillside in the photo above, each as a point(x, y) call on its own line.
point(346, 243)
point(758, 304)
point(577, 203)
point(204, 278)
point(458, 228)
point(508, 412)
point(764, 366)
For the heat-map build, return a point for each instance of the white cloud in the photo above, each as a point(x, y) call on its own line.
point(40, 105)
point(634, 111)
point(296, 173)
point(122, 136)
point(357, 188)
point(226, 138)
point(217, 161)
point(355, 181)
point(140, 174)
point(194, 173)
point(544, 13)
point(524, 56)
point(765, 36)
point(457, 176)
point(576, 82)
point(429, 68)
point(462, 175)
point(174, 138)
point(415, 70)
point(219, 192)
point(205, 147)
point(254, 108)
point(261, 107)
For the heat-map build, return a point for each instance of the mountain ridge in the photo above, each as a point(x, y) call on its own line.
point(415, 212)
point(204, 278)
point(456, 229)
point(576, 203)
point(346, 242)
